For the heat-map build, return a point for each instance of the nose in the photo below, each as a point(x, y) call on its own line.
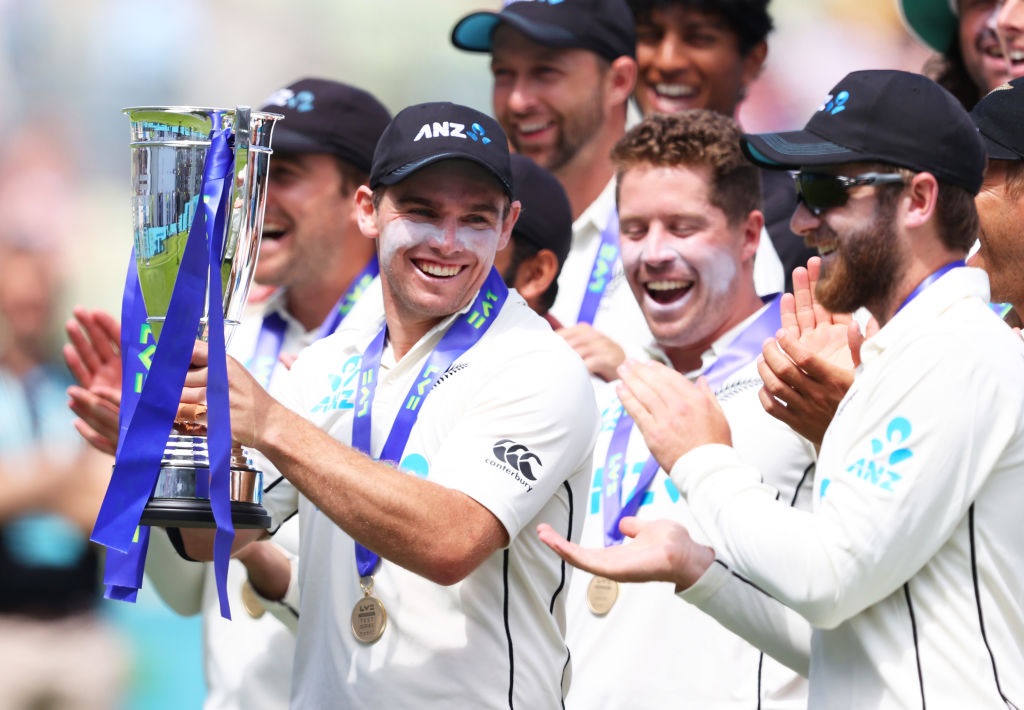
point(1008, 18)
point(657, 245)
point(443, 237)
point(518, 94)
point(803, 221)
point(671, 54)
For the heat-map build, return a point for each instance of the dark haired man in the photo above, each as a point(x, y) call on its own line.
point(423, 443)
point(563, 76)
point(977, 43)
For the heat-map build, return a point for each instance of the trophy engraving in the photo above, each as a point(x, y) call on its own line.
point(169, 151)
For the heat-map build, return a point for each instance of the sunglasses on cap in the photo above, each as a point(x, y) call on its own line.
point(820, 191)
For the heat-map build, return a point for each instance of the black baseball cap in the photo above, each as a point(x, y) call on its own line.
point(999, 117)
point(324, 116)
point(886, 116)
point(546, 218)
point(424, 134)
point(604, 27)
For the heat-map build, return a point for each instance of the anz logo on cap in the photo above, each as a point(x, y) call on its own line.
point(451, 129)
point(835, 104)
point(301, 101)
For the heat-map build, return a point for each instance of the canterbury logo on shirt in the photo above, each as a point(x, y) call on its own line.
point(517, 461)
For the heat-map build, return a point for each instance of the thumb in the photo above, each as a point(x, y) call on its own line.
point(200, 354)
point(856, 339)
point(630, 526)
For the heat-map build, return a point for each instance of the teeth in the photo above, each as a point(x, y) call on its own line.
point(825, 251)
point(667, 285)
point(438, 269)
point(532, 127)
point(674, 90)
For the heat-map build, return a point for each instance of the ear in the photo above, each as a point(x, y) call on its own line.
point(508, 223)
point(621, 80)
point(535, 274)
point(366, 213)
point(922, 194)
point(751, 229)
point(753, 63)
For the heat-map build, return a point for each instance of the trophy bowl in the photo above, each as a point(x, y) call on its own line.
point(169, 148)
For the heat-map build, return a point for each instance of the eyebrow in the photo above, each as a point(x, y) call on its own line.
point(407, 201)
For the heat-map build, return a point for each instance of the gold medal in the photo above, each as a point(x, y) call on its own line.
point(369, 618)
point(250, 602)
point(601, 595)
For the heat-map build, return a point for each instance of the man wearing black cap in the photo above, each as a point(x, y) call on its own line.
point(999, 118)
point(424, 445)
point(313, 253)
point(563, 75)
point(907, 574)
point(533, 258)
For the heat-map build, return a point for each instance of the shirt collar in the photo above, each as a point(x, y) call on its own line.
point(951, 288)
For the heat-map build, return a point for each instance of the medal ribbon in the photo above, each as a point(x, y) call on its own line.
point(145, 429)
point(614, 473)
point(602, 270)
point(463, 334)
point(271, 337)
point(931, 278)
point(747, 345)
point(736, 355)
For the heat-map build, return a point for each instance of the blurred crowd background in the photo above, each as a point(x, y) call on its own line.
point(67, 69)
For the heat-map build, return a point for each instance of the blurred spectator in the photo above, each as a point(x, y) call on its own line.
point(56, 651)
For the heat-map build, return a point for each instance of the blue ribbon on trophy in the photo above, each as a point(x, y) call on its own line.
point(148, 416)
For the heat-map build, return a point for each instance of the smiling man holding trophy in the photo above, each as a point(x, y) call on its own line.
point(199, 191)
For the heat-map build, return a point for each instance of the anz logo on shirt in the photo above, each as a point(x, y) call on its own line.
point(342, 387)
point(881, 468)
point(667, 492)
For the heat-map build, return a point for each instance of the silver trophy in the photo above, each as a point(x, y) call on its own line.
point(168, 149)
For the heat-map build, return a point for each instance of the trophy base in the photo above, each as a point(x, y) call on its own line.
point(178, 501)
point(197, 513)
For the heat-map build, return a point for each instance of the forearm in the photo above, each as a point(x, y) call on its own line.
point(439, 533)
point(268, 567)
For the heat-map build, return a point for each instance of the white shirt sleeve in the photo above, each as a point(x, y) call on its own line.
point(898, 473)
point(753, 616)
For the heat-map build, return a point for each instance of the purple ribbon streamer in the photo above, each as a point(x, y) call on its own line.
point(145, 430)
point(463, 334)
point(929, 280)
point(746, 346)
point(736, 355)
point(271, 337)
point(122, 574)
point(602, 270)
point(612, 508)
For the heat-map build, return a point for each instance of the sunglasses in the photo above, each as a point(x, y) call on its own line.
point(819, 191)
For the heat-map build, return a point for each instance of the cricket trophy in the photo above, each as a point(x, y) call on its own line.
point(171, 152)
